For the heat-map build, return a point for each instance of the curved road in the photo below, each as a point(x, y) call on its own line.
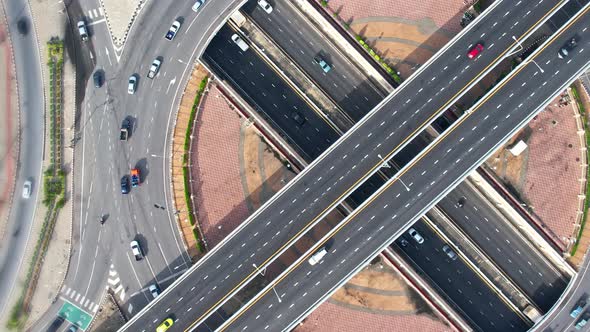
point(101, 254)
point(31, 102)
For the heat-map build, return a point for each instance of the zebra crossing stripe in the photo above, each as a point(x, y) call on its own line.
point(100, 11)
point(95, 308)
point(86, 303)
point(68, 291)
point(77, 297)
point(82, 300)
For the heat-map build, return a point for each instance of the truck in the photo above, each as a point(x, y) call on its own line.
point(135, 177)
point(173, 30)
point(136, 250)
point(82, 30)
point(154, 68)
point(125, 129)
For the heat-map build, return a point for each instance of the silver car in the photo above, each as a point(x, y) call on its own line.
point(447, 250)
point(154, 290)
point(198, 5)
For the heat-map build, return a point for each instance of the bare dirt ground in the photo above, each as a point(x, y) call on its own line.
point(108, 318)
point(376, 299)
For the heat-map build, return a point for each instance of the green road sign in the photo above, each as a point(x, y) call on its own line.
point(75, 315)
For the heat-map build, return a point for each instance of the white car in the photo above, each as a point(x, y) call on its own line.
point(27, 189)
point(82, 30)
point(136, 250)
point(198, 5)
point(414, 234)
point(154, 290)
point(132, 84)
point(317, 257)
point(265, 6)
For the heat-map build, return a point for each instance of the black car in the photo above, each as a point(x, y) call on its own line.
point(124, 185)
point(56, 324)
point(461, 202)
point(567, 48)
point(97, 79)
point(297, 117)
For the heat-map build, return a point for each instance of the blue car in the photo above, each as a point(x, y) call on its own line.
point(124, 185)
point(325, 66)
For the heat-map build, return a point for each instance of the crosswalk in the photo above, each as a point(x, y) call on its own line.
point(114, 283)
point(95, 14)
point(78, 298)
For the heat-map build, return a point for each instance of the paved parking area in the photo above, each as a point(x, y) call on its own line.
point(217, 185)
point(406, 33)
point(550, 168)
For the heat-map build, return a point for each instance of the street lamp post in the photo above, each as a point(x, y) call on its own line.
point(262, 274)
point(385, 164)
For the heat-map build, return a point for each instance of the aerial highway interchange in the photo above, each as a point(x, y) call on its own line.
point(382, 171)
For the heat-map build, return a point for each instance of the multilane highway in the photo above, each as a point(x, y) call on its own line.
point(541, 282)
point(433, 174)
point(328, 181)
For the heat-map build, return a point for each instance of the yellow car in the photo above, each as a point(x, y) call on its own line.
point(165, 325)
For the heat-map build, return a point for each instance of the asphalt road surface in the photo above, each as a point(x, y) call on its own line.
point(272, 95)
point(30, 162)
point(464, 289)
point(335, 171)
point(522, 263)
point(540, 281)
point(363, 234)
point(101, 254)
point(349, 87)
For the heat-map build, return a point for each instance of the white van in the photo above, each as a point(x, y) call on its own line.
point(240, 42)
point(317, 257)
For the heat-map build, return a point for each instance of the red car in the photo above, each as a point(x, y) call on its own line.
point(135, 177)
point(475, 51)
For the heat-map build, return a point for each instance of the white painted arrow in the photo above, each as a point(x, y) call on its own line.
point(172, 81)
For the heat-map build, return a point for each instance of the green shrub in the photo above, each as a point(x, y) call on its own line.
point(324, 3)
point(586, 200)
point(185, 170)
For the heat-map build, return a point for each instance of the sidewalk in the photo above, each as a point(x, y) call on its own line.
point(8, 127)
point(49, 22)
point(584, 244)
